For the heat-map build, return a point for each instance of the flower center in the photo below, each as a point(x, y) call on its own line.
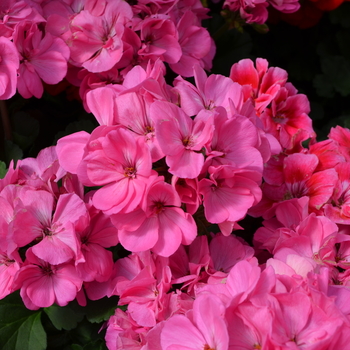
point(130, 172)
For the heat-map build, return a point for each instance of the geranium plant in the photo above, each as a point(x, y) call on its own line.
point(132, 235)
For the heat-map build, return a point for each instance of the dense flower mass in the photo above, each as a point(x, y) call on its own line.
point(166, 164)
point(93, 43)
point(168, 176)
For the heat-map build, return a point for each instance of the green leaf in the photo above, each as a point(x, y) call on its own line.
point(341, 16)
point(25, 129)
point(3, 169)
point(337, 69)
point(231, 47)
point(81, 125)
point(101, 310)
point(96, 345)
point(343, 42)
point(20, 328)
point(12, 151)
point(63, 317)
point(323, 86)
point(76, 347)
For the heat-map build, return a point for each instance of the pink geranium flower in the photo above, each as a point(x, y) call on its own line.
point(13, 12)
point(195, 44)
point(261, 83)
point(160, 39)
point(203, 329)
point(43, 284)
point(229, 193)
point(123, 165)
point(96, 41)
point(42, 57)
point(338, 210)
point(160, 226)
point(9, 63)
point(55, 233)
point(180, 138)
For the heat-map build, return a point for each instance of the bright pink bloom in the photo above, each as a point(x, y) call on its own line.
point(234, 143)
point(328, 154)
point(180, 138)
point(288, 116)
point(301, 179)
point(56, 233)
point(209, 92)
point(9, 63)
point(133, 110)
point(159, 37)
point(70, 150)
point(96, 42)
point(338, 210)
point(195, 44)
point(43, 284)
point(226, 252)
point(124, 333)
point(229, 193)
point(42, 58)
point(123, 165)
point(301, 323)
point(249, 327)
point(260, 83)
point(13, 12)
point(205, 329)
point(101, 103)
point(252, 11)
point(9, 265)
point(162, 226)
point(95, 237)
point(285, 6)
point(342, 137)
point(187, 189)
point(59, 15)
point(190, 268)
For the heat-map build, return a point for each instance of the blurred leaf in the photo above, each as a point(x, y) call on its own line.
point(76, 347)
point(81, 125)
point(96, 345)
point(20, 328)
point(323, 86)
point(231, 47)
point(337, 69)
point(25, 129)
point(317, 111)
point(63, 317)
point(3, 169)
point(101, 310)
point(12, 151)
point(341, 15)
point(343, 42)
point(260, 28)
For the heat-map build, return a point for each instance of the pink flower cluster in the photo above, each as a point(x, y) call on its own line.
point(165, 164)
point(255, 11)
point(92, 43)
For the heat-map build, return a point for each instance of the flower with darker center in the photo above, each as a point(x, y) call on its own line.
point(5, 260)
point(188, 142)
point(158, 207)
point(47, 270)
point(149, 129)
point(48, 232)
point(130, 172)
point(296, 190)
point(279, 119)
point(207, 347)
